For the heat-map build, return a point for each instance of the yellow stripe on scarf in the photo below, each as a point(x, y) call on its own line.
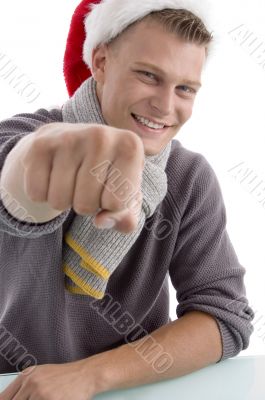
point(88, 262)
point(88, 289)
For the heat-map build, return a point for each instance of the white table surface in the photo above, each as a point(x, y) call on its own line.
point(239, 378)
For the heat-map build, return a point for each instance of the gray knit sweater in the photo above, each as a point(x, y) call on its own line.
point(185, 239)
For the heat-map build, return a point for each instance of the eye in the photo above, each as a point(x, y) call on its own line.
point(147, 74)
point(188, 89)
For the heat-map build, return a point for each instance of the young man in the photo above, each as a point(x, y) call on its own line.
point(100, 204)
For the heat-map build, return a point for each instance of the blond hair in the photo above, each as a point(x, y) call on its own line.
point(181, 22)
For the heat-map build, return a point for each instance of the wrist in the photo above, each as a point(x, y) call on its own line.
point(96, 370)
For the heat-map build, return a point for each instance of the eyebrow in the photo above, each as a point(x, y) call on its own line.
point(161, 72)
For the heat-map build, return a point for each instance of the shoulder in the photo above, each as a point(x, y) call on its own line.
point(182, 160)
point(28, 121)
point(53, 113)
point(189, 175)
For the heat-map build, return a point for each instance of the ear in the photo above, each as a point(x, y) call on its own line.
point(98, 63)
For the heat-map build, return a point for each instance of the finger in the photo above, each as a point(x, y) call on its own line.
point(22, 394)
point(118, 192)
point(126, 221)
point(89, 185)
point(12, 389)
point(37, 175)
point(62, 179)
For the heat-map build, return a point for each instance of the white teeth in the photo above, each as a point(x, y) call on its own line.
point(148, 123)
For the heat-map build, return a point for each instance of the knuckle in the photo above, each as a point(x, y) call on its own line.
point(67, 139)
point(39, 144)
point(33, 381)
point(84, 208)
point(113, 203)
point(100, 139)
point(130, 144)
point(41, 130)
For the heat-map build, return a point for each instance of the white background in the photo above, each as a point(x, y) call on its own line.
point(227, 125)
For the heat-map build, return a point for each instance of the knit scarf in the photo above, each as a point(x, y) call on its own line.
point(90, 254)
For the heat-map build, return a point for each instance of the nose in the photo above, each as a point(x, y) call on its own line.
point(164, 102)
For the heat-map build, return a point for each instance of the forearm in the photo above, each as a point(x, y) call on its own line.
point(191, 343)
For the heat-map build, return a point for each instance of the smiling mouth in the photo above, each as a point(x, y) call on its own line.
point(157, 127)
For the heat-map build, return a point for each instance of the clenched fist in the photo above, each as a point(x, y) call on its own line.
point(91, 168)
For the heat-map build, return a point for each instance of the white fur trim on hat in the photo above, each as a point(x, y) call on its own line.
point(111, 17)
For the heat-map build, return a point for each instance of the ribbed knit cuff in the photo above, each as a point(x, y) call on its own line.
point(228, 342)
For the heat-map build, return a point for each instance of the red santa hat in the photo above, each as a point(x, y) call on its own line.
point(96, 22)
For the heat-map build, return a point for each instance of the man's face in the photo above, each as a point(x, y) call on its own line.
point(126, 88)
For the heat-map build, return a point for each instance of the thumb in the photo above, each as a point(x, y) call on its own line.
point(125, 221)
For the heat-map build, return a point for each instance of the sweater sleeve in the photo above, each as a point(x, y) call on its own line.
point(205, 270)
point(11, 131)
